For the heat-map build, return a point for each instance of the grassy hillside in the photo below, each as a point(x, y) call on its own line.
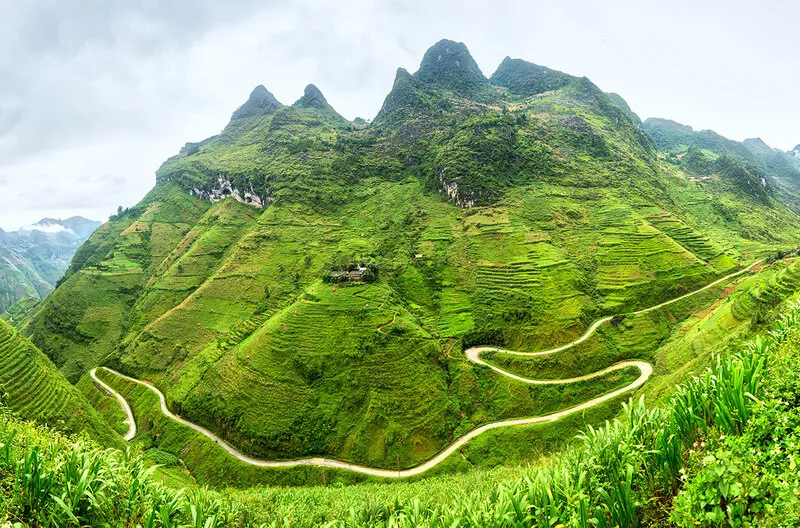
point(677, 339)
point(508, 212)
point(31, 386)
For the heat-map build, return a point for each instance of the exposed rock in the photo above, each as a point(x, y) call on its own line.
point(450, 188)
point(226, 189)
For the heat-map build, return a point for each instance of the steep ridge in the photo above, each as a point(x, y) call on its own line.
point(746, 165)
point(35, 257)
point(484, 215)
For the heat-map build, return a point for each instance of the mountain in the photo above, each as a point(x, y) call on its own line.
point(305, 286)
point(752, 165)
point(35, 257)
point(524, 78)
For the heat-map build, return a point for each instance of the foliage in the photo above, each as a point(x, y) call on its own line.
point(32, 386)
point(727, 441)
point(223, 305)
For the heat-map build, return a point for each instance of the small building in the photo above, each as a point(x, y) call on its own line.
point(350, 275)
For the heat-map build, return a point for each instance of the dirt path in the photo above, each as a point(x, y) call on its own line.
point(394, 318)
point(473, 354)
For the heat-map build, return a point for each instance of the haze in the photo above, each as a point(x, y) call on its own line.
point(95, 95)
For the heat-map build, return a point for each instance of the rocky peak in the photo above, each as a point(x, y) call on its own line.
point(795, 153)
point(402, 98)
point(261, 102)
point(449, 65)
point(312, 98)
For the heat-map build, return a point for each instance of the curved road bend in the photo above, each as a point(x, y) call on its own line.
point(645, 368)
point(130, 420)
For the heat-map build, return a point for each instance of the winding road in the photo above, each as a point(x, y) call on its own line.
point(473, 354)
point(130, 420)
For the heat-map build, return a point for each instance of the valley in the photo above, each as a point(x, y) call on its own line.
point(472, 354)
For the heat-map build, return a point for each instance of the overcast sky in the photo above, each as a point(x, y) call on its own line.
point(94, 95)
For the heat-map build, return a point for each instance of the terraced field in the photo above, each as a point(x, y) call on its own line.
point(230, 310)
point(31, 386)
point(785, 279)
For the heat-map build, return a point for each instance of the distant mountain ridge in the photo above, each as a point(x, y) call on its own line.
point(34, 257)
point(705, 153)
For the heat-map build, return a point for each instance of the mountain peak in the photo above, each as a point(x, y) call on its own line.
point(668, 124)
point(260, 102)
point(449, 64)
point(312, 98)
point(527, 79)
point(795, 152)
point(403, 97)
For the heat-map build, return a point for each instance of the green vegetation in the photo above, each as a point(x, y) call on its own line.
point(721, 452)
point(33, 259)
point(512, 212)
point(31, 386)
point(752, 165)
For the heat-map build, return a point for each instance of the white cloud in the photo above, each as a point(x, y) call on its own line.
point(46, 228)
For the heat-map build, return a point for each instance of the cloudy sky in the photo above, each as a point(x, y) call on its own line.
point(95, 94)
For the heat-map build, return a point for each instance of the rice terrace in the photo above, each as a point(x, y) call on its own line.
point(500, 300)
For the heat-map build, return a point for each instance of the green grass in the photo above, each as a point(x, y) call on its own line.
point(628, 472)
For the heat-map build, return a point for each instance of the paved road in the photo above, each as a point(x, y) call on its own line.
point(130, 420)
point(473, 354)
point(645, 368)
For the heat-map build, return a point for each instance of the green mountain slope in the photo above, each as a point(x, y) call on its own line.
point(31, 386)
point(705, 153)
point(19, 279)
point(513, 211)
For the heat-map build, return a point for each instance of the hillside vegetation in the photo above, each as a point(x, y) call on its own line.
point(720, 453)
point(705, 154)
point(33, 259)
point(513, 210)
point(31, 386)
